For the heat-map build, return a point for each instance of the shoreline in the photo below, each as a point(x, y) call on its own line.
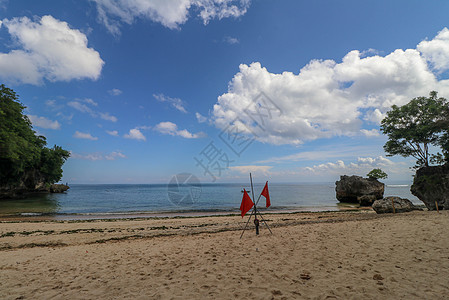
point(24, 233)
point(169, 214)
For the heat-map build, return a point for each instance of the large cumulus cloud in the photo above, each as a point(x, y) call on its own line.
point(328, 98)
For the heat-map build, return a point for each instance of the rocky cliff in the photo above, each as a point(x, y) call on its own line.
point(31, 182)
point(431, 186)
point(356, 189)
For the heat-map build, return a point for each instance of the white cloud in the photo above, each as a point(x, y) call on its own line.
point(90, 101)
point(54, 106)
point(436, 51)
point(186, 134)
point(43, 122)
point(112, 132)
point(49, 49)
point(108, 117)
point(167, 128)
point(174, 102)
point(374, 116)
point(362, 166)
point(230, 40)
point(172, 129)
point(338, 165)
point(327, 98)
point(135, 134)
point(337, 151)
point(370, 51)
point(252, 169)
point(379, 161)
point(90, 156)
point(170, 13)
point(200, 117)
point(115, 92)
point(81, 107)
point(50, 103)
point(98, 156)
point(114, 155)
point(86, 136)
point(370, 133)
point(67, 118)
point(220, 9)
point(86, 109)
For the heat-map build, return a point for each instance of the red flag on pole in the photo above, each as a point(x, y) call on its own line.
point(266, 194)
point(247, 203)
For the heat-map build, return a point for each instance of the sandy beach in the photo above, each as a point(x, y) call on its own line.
point(328, 255)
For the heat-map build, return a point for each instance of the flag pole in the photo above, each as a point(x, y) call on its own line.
point(257, 202)
point(263, 220)
point(256, 221)
point(252, 191)
point(252, 211)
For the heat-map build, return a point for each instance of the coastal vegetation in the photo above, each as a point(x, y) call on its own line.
point(26, 164)
point(377, 174)
point(416, 127)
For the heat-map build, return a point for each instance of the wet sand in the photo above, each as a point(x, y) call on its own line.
point(166, 214)
point(327, 255)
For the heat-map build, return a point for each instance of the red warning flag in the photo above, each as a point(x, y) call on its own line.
point(247, 203)
point(266, 194)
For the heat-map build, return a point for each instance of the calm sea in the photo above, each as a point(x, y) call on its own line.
point(157, 198)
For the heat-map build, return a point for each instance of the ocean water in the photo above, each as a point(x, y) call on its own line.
point(157, 198)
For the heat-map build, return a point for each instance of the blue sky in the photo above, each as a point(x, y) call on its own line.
point(141, 90)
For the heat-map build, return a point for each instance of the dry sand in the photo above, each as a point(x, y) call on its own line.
point(338, 255)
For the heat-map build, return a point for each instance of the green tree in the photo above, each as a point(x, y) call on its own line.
point(51, 163)
point(22, 152)
point(377, 174)
point(415, 127)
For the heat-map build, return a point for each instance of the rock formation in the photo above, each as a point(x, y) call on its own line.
point(385, 205)
point(366, 200)
point(356, 189)
point(431, 186)
point(31, 182)
point(58, 188)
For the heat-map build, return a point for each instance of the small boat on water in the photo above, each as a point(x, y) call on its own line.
point(243, 189)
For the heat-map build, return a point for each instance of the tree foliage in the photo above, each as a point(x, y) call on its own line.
point(21, 151)
point(377, 174)
point(414, 128)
